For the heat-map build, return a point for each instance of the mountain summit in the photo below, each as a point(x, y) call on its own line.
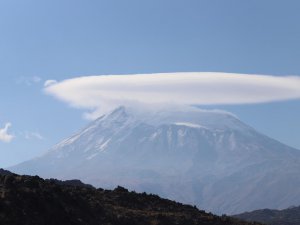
point(206, 158)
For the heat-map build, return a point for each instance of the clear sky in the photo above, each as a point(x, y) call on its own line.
point(62, 39)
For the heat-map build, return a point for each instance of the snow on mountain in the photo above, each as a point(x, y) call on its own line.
point(206, 158)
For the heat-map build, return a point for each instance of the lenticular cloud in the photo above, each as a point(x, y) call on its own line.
point(100, 93)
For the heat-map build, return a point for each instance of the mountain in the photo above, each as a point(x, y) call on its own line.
point(289, 216)
point(205, 158)
point(32, 200)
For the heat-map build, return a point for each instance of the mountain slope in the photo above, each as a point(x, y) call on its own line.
point(32, 200)
point(290, 216)
point(205, 158)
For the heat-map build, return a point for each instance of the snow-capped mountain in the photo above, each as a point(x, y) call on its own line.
point(206, 158)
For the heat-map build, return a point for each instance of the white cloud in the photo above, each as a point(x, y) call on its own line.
point(49, 83)
point(4, 136)
point(29, 80)
point(101, 93)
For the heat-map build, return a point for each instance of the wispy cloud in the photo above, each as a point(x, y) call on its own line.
point(4, 136)
point(29, 80)
point(102, 93)
point(33, 135)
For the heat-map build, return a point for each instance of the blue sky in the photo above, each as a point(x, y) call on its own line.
point(42, 40)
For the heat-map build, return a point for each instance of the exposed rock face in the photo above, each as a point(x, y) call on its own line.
point(31, 200)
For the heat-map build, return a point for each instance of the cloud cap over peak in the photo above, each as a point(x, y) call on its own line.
point(101, 93)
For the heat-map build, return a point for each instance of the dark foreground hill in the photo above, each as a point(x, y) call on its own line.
point(290, 216)
point(32, 200)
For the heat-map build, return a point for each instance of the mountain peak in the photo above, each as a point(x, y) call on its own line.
point(207, 158)
point(121, 110)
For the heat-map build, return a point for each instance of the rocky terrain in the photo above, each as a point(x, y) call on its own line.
point(30, 200)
